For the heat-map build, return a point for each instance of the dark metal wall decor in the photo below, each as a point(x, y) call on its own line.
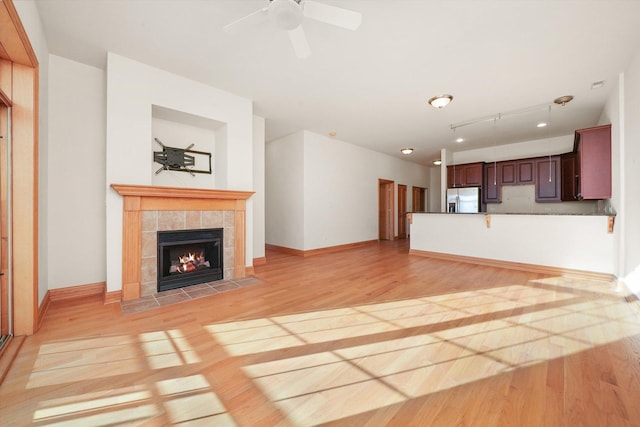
point(179, 159)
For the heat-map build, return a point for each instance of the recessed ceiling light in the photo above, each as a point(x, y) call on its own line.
point(460, 140)
point(406, 150)
point(597, 85)
point(437, 162)
point(440, 101)
point(541, 124)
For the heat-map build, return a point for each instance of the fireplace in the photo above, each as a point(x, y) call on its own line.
point(189, 257)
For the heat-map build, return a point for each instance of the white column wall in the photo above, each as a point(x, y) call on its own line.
point(257, 201)
point(284, 182)
point(631, 160)
point(132, 88)
point(76, 174)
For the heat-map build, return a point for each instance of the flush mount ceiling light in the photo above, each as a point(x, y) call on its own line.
point(440, 101)
point(437, 162)
point(541, 125)
point(406, 150)
point(459, 140)
point(563, 100)
point(332, 134)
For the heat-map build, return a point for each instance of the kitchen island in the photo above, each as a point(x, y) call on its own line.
point(539, 242)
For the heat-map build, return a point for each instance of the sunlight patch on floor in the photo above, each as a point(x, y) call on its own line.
point(348, 380)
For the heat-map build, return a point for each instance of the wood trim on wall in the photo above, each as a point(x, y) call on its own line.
point(319, 251)
point(138, 198)
point(24, 182)
point(42, 310)
point(259, 261)
point(112, 297)
point(79, 291)
point(532, 268)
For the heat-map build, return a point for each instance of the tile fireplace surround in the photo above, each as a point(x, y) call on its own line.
point(140, 201)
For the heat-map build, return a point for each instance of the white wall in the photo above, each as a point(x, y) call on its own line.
point(257, 200)
point(341, 190)
point(519, 150)
point(323, 192)
point(284, 189)
point(76, 174)
point(631, 158)
point(132, 89)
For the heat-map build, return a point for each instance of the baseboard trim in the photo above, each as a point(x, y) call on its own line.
point(111, 297)
point(319, 251)
point(259, 261)
point(249, 271)
point(8, 355)
point(531, 268)
point(42, 310)
point(77, 291)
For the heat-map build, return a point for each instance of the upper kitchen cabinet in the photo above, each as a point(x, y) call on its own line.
point(568, 171)
point(468, 175)
point(547, 170)
point(515, 172)
point(491, 183)
point(593, 162)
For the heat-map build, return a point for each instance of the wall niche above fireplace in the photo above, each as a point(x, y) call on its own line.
point(189, 257)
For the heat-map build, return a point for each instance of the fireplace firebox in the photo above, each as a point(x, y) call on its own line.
point(189, 257)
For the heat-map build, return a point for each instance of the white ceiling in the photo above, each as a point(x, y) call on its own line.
point(371, 86)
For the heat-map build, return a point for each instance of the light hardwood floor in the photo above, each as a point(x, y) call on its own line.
point(370, 336)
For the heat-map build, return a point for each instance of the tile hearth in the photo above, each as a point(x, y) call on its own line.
point(188, 293)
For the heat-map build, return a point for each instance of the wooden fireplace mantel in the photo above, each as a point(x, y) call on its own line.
point(139, 198)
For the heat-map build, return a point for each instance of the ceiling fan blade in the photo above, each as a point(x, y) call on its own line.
point(332, 15)
point(249, 20)
point(299, 42)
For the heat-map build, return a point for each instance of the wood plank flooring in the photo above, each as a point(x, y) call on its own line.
point(367, 337)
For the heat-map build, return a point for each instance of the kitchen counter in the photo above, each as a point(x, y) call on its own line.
point(583, 242)
point(518, 213)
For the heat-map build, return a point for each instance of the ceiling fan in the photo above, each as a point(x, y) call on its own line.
point(287, 15)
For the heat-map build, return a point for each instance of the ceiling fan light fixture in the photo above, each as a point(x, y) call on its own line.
point(286, 14)
point(406, 151)
point(440, 101)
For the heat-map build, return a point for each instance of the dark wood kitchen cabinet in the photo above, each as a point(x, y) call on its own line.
point(467, 175)
point(547, 175)
point(514, 172)
point(569, 177)
point(491, 183)
point(593, 162)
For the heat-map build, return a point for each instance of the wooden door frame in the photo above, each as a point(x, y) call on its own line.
point(423, 192)
point(390, 215)
point(19, 78)
point(402, 212)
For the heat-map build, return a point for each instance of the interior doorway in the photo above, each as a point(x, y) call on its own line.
point(385, 209)
point(402, 211)
point(419, 199)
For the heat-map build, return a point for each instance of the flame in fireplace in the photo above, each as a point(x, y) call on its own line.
point(192, 262)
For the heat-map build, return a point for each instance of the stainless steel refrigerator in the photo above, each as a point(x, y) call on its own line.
point(463, 200)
